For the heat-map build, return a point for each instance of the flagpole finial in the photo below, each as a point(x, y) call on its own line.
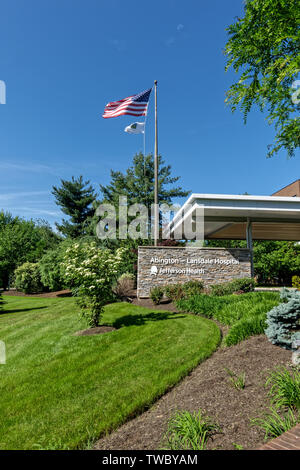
point(155, 82)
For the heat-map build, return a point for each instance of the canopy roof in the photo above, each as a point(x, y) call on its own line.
point(226, 216)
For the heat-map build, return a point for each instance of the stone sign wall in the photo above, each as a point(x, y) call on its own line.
point(159, 266)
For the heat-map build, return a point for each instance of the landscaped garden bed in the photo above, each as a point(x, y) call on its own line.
point(209, 388)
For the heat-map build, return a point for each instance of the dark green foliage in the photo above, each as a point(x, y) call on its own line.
point(75, 198)
point(51, 267)
point(22, 241)
point(28, 278)
point(238, 285)
point(275, 262)
point(156, 294)
point(137, 184)
point(186, 290)
point(263, 47)
point(284, 320)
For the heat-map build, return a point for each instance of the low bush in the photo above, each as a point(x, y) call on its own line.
point(28, 278)
point(51, 269)
point(185, 290)
point(296, 282)
point(156, 295)
point(237, 285)
point(124, 286)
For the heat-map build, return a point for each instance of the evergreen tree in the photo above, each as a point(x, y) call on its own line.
point(75, 198)
point(137, 184)
point(283, 320)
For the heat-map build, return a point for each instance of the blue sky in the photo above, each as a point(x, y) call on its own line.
point(63, 60)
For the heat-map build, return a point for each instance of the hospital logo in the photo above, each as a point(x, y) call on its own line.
point(153, 271)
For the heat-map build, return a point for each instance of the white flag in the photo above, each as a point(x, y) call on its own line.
point(136, 128)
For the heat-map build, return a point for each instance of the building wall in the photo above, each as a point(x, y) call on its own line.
point(292, 190)
point(159, 266)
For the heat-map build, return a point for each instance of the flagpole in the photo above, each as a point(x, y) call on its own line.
point(156, 211)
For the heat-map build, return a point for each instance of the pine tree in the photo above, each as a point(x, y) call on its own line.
point(76, 199)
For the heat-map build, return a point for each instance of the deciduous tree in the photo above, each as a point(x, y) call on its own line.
point(264, 48)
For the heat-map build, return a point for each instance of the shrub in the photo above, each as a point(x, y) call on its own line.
point(92, 271)
point(156, 294)
point(189, 431)
point(296, 282)
point(174, 292)
point(28, 278)
point(283, 320)
point(237, 285)
point(52, 275)
point(125, 285)
point(185, 290)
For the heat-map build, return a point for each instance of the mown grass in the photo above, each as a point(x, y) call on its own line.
point(245, 313)
point(60, 391)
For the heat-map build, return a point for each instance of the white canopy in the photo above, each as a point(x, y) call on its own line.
point(230, 216)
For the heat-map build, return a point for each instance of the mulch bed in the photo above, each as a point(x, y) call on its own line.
point(98, 330)
point(208, 388)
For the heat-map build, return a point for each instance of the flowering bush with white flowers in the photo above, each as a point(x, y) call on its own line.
point(90, 271)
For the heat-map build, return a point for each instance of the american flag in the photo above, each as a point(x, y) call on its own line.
point(135, 105)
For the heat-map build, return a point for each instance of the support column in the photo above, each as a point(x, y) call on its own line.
point(250, 243)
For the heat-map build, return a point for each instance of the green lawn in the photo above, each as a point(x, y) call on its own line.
point(61, 391)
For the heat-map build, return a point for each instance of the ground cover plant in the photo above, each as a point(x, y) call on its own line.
point(284, 411)
point(189, 431)
point(245, 314)
point(61, 391)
